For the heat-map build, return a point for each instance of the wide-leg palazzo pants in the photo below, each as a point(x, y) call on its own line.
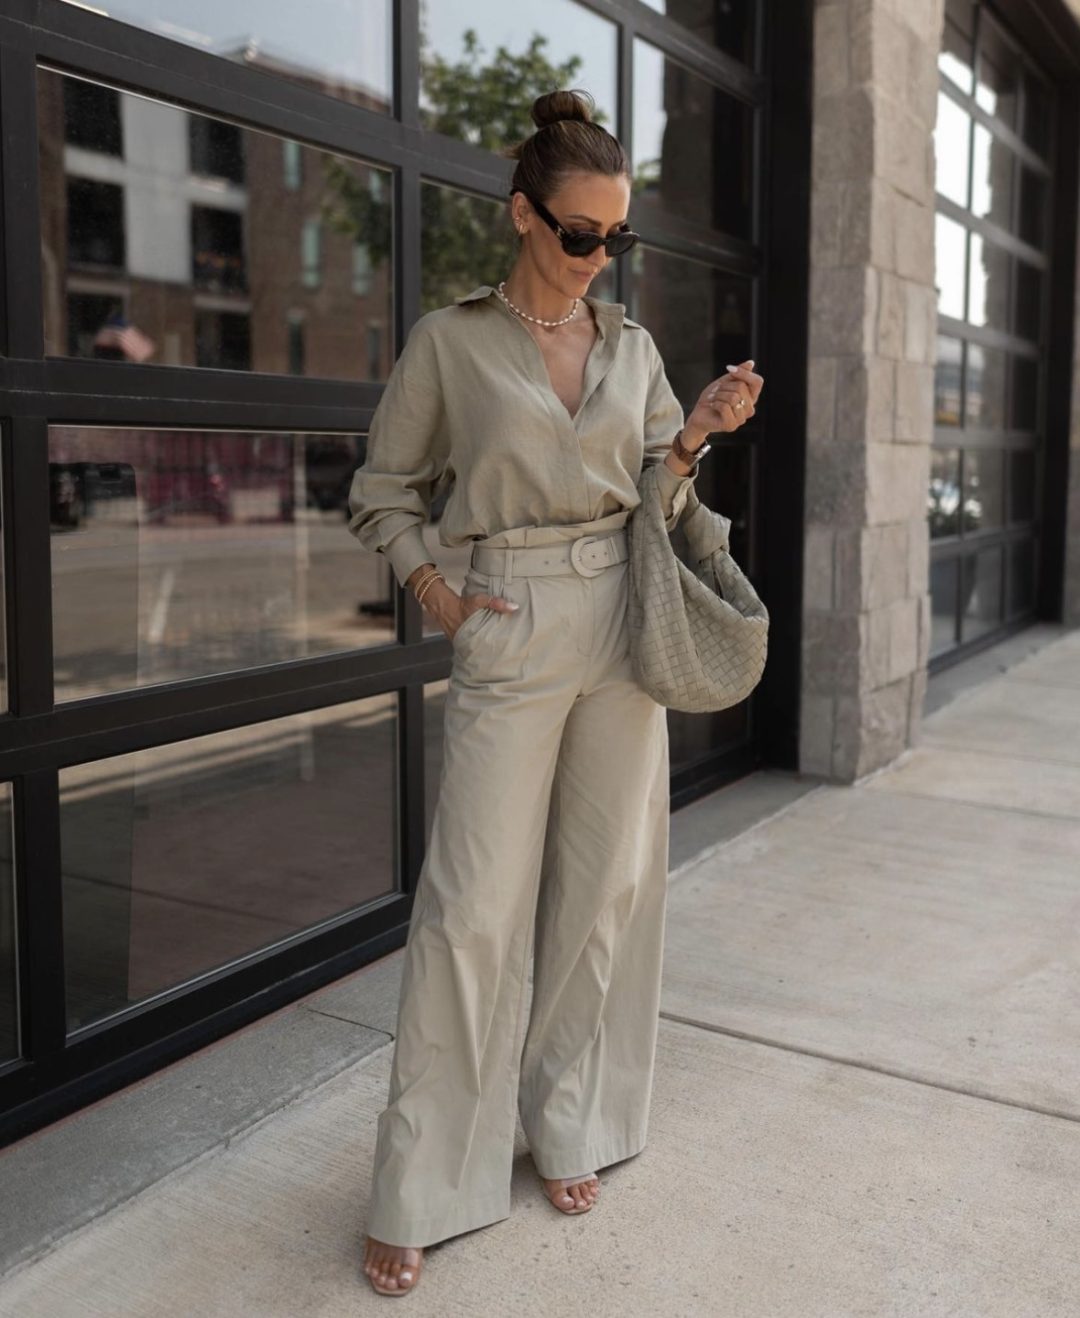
point(550, 836)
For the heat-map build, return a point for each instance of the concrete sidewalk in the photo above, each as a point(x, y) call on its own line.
point(867, 1096)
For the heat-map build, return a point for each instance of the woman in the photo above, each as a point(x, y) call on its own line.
point(551, 829)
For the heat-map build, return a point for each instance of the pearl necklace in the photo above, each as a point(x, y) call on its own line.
point(535, 319)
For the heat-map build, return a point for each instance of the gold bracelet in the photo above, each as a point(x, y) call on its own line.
point(425, 576)
point(438, 576)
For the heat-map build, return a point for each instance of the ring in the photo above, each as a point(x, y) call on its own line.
point(740, 403)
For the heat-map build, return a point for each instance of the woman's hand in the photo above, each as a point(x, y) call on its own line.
point(725, 404)
point(449, 609)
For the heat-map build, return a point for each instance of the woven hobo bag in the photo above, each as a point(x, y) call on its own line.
point(698, 637)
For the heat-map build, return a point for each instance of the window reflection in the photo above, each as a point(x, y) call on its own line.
point(1021, 577)
point(693, 145)
point(1033, 207)
point(699, 315)
point(183, 553)
point(947, 381)
point(181, 859)
point(955, 59)
point(985, 387)
point(998, 72)
point(728, 24)
point(943, 501)
point(1021, 485)
point(482, 65)
point(952, 150)
point(943, 583)
point(177, 239)
point(949, 253)
point(340, 47)
point(988, 275)
point(984, 492)
point(1025, 393)
point(992, 180)
point(9, 998)
point(981, 584)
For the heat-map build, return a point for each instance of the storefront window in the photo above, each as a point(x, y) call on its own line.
point(482, 65)
point(693, 146)
point(728, 24)
point(176, 239)
point(184, 553)
point(340, 47)
point(187, 857)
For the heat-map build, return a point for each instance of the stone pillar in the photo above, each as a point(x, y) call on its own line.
point(873, 316)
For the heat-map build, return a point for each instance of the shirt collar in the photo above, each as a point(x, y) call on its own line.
point(607, 313)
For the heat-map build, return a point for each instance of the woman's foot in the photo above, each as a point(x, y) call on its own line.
point(573, 1196)
point(392, 1269)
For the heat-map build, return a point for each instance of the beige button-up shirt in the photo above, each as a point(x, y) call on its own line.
point(470, 403)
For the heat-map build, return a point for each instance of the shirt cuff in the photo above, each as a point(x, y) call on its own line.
point(673, 490)
point(406, 552)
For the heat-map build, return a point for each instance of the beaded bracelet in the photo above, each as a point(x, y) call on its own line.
point(426, 576)
point(428, 583)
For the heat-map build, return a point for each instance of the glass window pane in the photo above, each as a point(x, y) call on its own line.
point(955, 59)
point(728, 24)
point(1025, 393)
point(184, 553)
point(482, 65)
point(340, 47)
point(988, 300)
point(184, 858)
point(950, 260)
point(1033, 207)
point(943, 497)
point(952, 150)
point(1037, 114)
point(998, 72)
point(985, 388)
point(1022, 485)
point(947, 378)
point(1021, 577)
point(943, 580)
point(693, 146)
point(981, 583)
point(9, 997)
point(190, 247)
point(992, 181)
point(984, 494)
point(1028, 318)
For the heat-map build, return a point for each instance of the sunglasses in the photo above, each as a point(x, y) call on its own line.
point(581, 242)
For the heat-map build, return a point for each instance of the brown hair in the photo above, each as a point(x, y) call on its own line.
point(566, 139)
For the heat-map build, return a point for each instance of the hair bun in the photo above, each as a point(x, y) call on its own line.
point(553, 107)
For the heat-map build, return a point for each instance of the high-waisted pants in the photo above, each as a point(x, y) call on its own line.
point(550, 837)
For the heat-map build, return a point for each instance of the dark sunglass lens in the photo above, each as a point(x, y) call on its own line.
point(581, 244)
point(621, 242)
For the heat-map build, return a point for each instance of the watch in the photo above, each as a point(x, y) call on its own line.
point(691, 457)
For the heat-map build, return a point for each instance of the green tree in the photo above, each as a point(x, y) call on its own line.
point(467, 239)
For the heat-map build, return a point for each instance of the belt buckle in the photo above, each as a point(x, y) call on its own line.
point(577, 549)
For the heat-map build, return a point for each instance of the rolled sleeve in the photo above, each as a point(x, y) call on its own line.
point(407, 452)
point(663, 420)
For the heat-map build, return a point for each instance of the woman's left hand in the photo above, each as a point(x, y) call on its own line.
point(726, 403)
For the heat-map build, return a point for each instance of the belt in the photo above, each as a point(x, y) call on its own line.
point(588, 555)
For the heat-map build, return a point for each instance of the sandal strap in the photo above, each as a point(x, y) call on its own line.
point(573, 1180)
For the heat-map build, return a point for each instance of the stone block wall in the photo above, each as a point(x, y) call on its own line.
point(873, 315)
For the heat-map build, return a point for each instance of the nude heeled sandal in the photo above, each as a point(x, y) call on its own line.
point(564, 1182)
